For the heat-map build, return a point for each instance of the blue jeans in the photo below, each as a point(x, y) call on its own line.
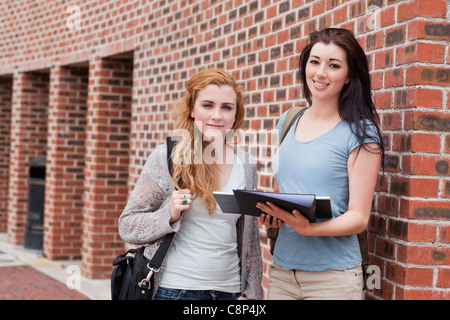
point(181, 294)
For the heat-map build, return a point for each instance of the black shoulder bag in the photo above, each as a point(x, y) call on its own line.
point(132, 277)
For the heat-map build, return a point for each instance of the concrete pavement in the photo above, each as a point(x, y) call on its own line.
point(27, 275)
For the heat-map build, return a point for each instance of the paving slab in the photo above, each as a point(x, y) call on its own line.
point(28, 275)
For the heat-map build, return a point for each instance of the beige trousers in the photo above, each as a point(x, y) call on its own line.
point(315, 285)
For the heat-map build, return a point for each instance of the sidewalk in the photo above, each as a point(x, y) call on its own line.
point(28, 275)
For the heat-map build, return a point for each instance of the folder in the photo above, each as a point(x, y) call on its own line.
point(244, 202)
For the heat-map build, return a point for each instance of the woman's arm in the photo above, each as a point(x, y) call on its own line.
point(146, 216)
point(251, 258)
point(363, 173)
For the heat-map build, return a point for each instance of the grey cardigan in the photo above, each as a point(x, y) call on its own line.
point(145, 219)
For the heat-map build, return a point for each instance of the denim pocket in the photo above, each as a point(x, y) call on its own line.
point(234, 296)
point(169, 294)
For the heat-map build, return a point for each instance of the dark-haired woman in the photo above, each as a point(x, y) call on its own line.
point(334, 149)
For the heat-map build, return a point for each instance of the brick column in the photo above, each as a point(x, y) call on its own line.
point(5, 124)
point(410, 231)
point(28, 140)
point(107, 159)
point(65, 163)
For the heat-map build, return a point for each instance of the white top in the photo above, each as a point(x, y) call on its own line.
point(204, 254)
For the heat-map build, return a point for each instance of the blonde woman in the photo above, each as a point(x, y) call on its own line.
point(214, 255)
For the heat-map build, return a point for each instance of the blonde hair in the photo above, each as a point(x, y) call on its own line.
point(201, 178)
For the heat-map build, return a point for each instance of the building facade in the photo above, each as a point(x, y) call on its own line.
point(91, 86)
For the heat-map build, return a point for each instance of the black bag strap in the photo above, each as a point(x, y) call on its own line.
point(159, 255)
point(292, 115)
point(170, 144)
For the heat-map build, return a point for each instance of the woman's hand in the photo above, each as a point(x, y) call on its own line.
point(269, 221)
point(295, 219)
point(180, 201)
point(244, 298)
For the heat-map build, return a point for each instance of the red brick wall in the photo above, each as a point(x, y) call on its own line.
point(28, 137)
point(5, 127)
point(137, 59)
point(65, 162)
point(107, 159)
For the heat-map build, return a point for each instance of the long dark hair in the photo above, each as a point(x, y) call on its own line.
point(355, 102)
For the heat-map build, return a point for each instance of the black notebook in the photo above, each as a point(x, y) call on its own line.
point(244, 202)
